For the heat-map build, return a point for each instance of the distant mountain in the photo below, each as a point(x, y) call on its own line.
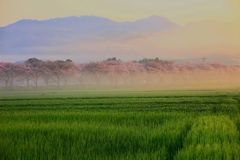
point(30, 33)
point(90, 38)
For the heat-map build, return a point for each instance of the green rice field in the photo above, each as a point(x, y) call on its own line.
point(120, 125)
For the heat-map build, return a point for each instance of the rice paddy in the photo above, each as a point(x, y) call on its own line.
point(120, 125)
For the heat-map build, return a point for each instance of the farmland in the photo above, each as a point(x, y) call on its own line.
point(120, 125)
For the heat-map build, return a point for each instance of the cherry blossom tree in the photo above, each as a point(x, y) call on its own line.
point(9, 72)
point(116, 69)
point(95, 70)
point(69, 71)
point(36, 68)
point(134, 70)
point(115, 72)
point(61, 70)
point(80, 73)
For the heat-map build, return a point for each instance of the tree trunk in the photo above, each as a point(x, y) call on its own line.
point(98, 79)
point(6, 82)
point(11, 83)
point(58, 81)
point(46, 81)
point(27, 80)
point(65, 81)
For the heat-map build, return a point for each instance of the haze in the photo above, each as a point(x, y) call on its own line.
point(182, 12)
point(207, 28)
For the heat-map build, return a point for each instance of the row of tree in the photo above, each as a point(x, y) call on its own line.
point(37, 72)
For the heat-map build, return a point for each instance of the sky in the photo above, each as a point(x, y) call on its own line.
point(179, 11)
point(211, 27)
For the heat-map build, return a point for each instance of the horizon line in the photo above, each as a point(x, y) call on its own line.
point(126, 21)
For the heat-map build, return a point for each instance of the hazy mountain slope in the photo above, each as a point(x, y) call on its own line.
point(89, 38)
point(203, 39)
point(30, 33)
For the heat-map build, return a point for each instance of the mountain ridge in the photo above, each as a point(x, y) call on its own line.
point(84, 16)
point(92, 38)
point(31, 33)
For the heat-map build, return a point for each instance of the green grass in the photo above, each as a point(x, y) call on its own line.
point(211, 137)
point(120, 125)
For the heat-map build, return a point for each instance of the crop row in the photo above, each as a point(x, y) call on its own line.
point(211, 137)
point(95, 136)
point(129, 104)
point(118, 126)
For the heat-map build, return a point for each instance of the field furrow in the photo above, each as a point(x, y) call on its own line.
point(211, 137)
point(142, 125)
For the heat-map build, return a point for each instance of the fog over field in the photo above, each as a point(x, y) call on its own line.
point(93, 38)
point(114, 73)
point(81, 51)
point(119, 79)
